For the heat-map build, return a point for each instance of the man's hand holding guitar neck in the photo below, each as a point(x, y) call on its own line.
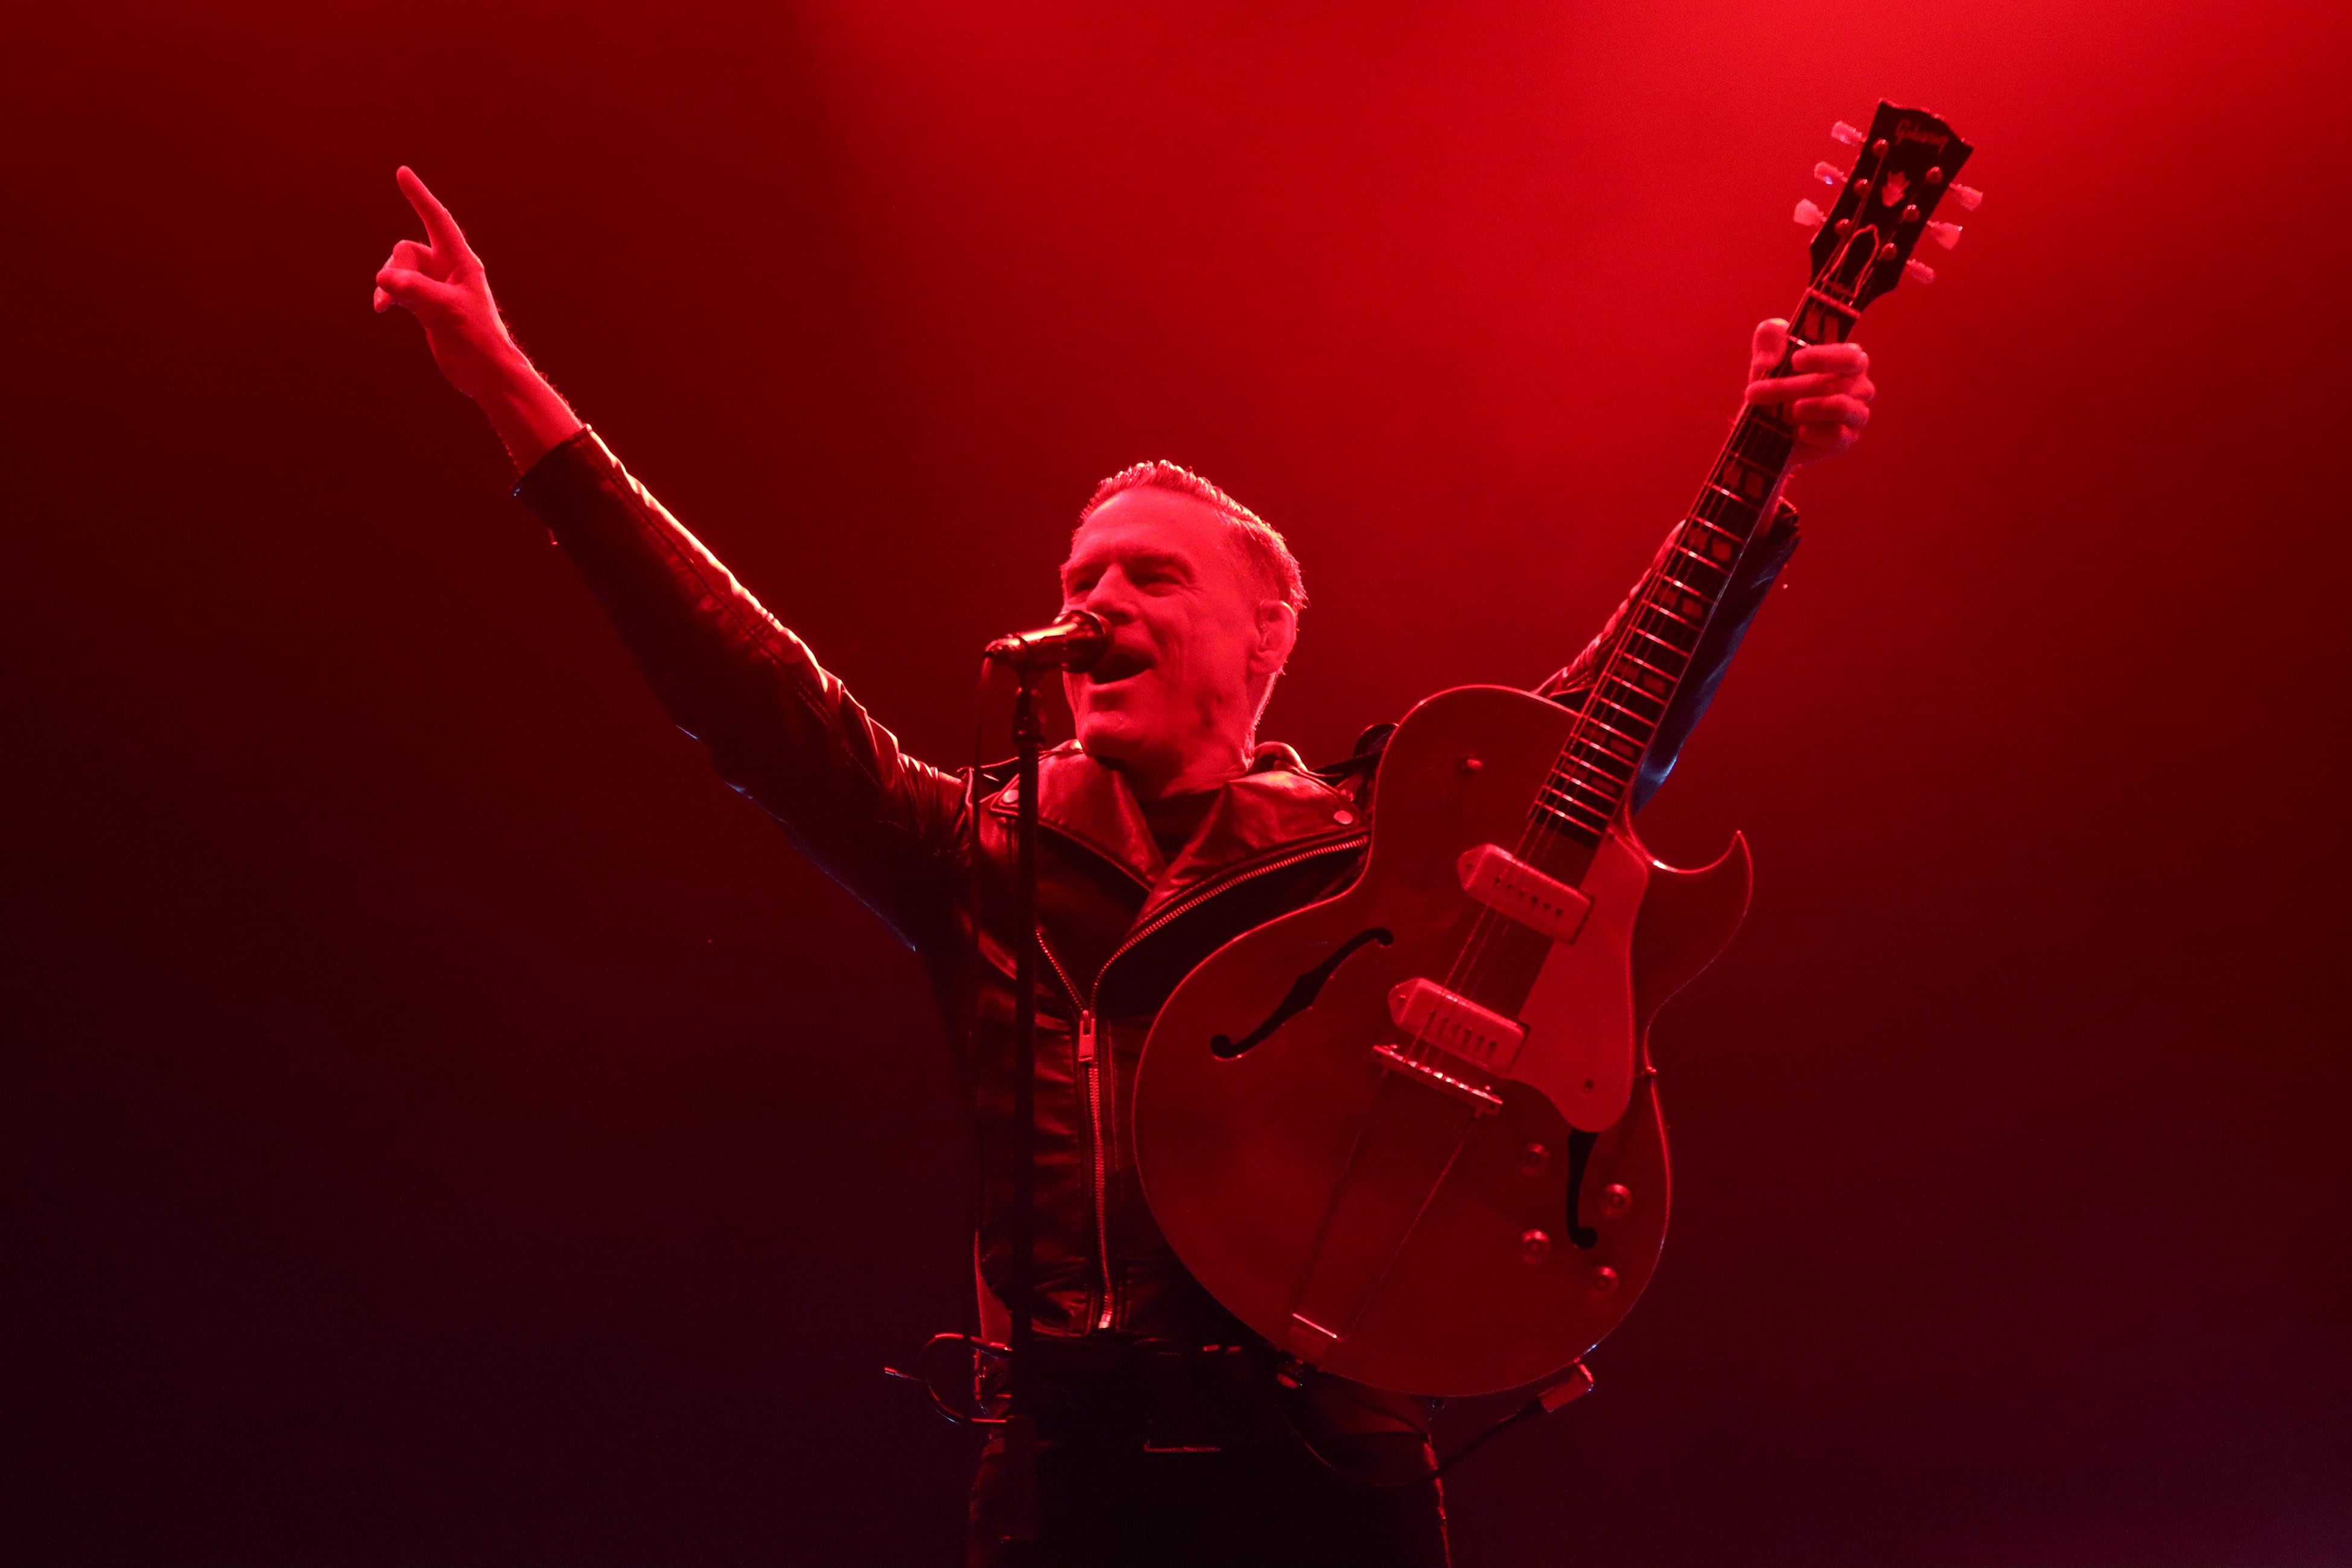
point(1826, 393)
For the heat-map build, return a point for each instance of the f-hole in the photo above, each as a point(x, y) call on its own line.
point(1298, 999)
point(1579, 1151)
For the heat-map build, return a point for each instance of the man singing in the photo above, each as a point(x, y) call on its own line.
point(1169, 826)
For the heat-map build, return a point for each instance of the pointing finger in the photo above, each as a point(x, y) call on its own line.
point(439, 227)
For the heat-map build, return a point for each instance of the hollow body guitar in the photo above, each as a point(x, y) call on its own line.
point(1418, 1215)
point(1411, 1133)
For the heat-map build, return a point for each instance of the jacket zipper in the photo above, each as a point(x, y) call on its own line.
point(1092, 1064)
point(1096, 1064)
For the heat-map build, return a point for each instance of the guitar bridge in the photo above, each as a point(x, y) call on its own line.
point(1484, 1102)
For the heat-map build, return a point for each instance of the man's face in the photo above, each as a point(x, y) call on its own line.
point(1173, 693)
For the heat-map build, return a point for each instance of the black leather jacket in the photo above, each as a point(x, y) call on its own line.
point(932, 852)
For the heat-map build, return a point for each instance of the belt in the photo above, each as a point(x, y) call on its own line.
point(1166, 1398)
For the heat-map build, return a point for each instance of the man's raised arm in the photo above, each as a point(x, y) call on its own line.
point(1827, 395)
point(780, 727)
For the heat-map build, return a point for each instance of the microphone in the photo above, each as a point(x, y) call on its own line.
point(1075, 642)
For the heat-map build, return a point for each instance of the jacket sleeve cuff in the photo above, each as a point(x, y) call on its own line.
point(570, 470)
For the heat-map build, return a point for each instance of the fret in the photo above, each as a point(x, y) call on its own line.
point(1648, 635)
point(1584, 751)
point(1665, 593)
point(1717, 505)
point(1633, 658)
point(1593, 758)
point(1719, 562)
point(1761, 444)
point(1576, 828)
point(1670, 617)
point(1621, 755)
point(1655, 688)
point(1736, 540)
point(1599, 806)
point(1749, 481)
point(1639, 718)
point(1626, 688)
point(1657, 609)
point(1637, 742)
point(1710, 596)
point(1602, 799)
point(1560, 800)
point(1586, 773)
point(1734, 496)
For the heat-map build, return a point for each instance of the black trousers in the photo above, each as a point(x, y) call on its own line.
point(1253, 1505)
point(1149, 1459)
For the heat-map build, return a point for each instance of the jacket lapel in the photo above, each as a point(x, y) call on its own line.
point(1277, 805)
point(1090, 804)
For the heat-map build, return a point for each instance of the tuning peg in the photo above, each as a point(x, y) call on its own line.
point(1847, 134)
point(1811, 217)
point(1967, 197)
point(1945, 235)
point(1918, 272)
point(1829, 175)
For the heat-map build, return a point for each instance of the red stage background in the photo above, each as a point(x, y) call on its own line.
point(444, 1126)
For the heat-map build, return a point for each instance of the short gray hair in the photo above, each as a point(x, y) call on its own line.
point(1262, 547)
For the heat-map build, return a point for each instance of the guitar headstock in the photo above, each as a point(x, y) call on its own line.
point(1886, 204)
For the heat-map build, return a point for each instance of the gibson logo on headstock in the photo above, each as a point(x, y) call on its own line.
point(1908, 130)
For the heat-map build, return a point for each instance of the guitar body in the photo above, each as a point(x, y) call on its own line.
point(1420, 1224)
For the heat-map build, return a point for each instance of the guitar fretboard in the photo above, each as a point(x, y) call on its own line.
point(1672, 606)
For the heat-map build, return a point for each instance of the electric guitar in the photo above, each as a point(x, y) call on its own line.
point(1411, 1133)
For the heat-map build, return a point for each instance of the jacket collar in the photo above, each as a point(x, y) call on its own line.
point(1276, 805)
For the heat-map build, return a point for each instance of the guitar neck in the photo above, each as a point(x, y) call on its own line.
point(1673, 603)
point(1904, 167)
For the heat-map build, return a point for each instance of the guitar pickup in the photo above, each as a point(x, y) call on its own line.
point(1454, 1024)
point(1519, 892)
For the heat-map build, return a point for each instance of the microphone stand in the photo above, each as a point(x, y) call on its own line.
point(1020, 1452)
point(1074, 642)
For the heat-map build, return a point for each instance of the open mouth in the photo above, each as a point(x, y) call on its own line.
point(1118, 664)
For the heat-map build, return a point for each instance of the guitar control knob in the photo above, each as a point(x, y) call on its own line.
point(1533, 1158)
point(1604, 1281)
point(1616, 1200)
point(1534, 1247)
